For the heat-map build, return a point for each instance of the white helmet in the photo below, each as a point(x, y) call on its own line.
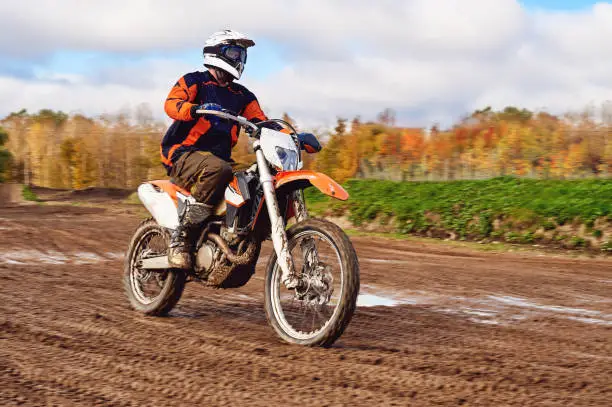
point(227, 50)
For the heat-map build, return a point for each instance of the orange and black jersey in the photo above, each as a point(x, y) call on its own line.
point(187, 133)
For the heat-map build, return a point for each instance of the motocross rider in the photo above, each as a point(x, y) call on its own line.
point(196, 150)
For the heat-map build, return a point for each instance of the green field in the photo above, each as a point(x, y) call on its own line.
point(573, 213)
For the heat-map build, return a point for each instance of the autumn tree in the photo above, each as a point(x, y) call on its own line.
point(387, 117)
point(290, 120)
point(5, 156)
point(338, 158)
point(340, 128)
point(68, 158)
point(53, 149)
point(606, 166)
point(412, 144)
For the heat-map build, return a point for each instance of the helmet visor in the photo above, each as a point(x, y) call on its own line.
point(234, 53)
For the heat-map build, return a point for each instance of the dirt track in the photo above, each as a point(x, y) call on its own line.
point(467, 328)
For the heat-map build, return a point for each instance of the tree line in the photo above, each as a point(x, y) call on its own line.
point(5, 155)
point(54, 149)
point(484, 144)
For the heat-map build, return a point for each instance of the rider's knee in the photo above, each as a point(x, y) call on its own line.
point(224, 173)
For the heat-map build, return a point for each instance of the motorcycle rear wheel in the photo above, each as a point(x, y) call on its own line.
point(292, 313)
point(170, 283)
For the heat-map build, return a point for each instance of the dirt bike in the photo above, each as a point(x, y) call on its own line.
point(312, 275)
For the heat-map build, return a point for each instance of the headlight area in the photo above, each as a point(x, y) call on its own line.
point(288, 158)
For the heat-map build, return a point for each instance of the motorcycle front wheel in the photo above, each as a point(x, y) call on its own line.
point(320, 309)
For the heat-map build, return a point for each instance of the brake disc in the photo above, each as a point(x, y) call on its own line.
point(318, 287)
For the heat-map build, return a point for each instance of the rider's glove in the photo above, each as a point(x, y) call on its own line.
point(206, 106)
point(309, 142)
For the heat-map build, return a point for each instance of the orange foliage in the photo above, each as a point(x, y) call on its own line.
point(486, 144)
point(54, 149)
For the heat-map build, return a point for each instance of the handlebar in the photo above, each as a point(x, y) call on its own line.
point(226, 115)
point(252, 128)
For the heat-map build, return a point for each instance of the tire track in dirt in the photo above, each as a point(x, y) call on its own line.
point(67, 336)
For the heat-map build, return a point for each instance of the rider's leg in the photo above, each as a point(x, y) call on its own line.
point(238, 166)
point(206, 176)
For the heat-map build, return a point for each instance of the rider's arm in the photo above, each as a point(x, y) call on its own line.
point(180, 99)
point(253, 113)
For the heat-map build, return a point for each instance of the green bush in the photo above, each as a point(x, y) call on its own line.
point(470, 208)
point(514, 237)
point(28, 194)
point(485, 224)
point(576, 241)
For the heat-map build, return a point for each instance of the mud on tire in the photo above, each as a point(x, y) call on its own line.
point(348, 298)
point(174, 283)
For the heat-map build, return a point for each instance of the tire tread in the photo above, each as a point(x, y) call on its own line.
point(348, 299)
point(163, 305)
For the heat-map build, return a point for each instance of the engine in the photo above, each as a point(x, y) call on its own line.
point(205, 258)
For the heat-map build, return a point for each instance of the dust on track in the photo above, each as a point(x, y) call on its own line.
point(471, 328)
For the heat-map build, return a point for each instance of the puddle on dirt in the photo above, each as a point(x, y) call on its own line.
point(524, 303)
point(479, 313)
point(87, 258)
point(381, 299)
point(489, 310)
point(386, 261)
point(595, 321)
point(375, 297)
point(27, 257)
point(34, 257)
point(371, 300)
point(485, 321)
point(112, 255)
point(606, 281)
point(245, 297)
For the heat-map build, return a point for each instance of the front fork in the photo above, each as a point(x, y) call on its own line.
point(299, 206)
point(308, 246)
point(279, 236)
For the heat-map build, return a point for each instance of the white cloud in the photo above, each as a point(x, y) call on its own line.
point(39, 26)
point(431, 60)
point(106, 91)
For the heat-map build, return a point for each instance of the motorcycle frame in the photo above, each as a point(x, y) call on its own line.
point(287, 183)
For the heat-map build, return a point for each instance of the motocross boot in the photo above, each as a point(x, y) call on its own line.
point(179, 255)
point(192, 217)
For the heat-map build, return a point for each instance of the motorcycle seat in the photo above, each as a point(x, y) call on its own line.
point(170, 188)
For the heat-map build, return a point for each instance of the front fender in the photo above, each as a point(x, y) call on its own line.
point(321, 181)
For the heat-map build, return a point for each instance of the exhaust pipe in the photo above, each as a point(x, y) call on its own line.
point(161, 262)
point(237, 259)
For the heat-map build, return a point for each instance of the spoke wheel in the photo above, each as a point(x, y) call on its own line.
point(148, 285)
point(151, 292)
point(318, 311)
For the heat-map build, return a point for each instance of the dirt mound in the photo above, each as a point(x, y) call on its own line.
point(101, 193)
point(10, 194)
point(93, 194)
point(47, 191)
point(458, 327)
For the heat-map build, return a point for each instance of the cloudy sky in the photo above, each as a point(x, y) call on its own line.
point(429, 60)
